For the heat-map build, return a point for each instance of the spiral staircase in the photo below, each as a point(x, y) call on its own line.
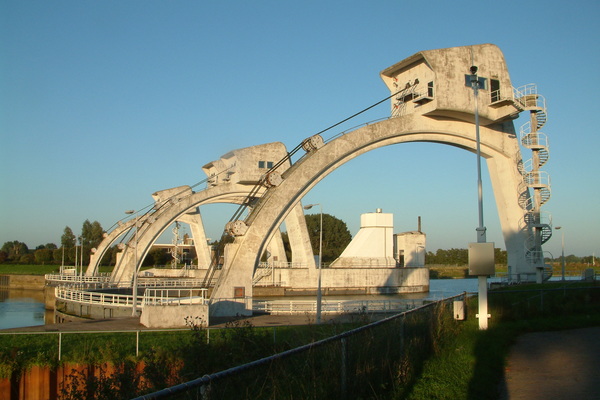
point(536, 190)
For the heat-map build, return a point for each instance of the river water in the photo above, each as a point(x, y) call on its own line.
point(20, 308)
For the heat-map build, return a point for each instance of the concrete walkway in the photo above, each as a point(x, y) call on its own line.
point(554, 365)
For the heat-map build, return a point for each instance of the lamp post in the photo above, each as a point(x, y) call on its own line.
point(308, 207)
point(135, 257)
point(563, 250)
point(481, 229)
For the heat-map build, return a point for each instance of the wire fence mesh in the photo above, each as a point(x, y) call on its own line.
point(360, 363)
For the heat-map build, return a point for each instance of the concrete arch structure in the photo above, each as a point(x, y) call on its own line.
point(431, 103)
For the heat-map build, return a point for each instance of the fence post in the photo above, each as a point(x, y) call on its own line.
point(137, 343)
point(401, 341)
point(59, 344)
point(344, 388)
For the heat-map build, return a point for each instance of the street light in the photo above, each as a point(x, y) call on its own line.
point(473, 79)
point(135, 277)
point(563, 250)
point(308, 207)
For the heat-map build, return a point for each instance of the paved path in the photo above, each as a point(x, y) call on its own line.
point(555, 365)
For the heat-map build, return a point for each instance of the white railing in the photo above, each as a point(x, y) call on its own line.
point(334, 306)
point(68, 278)
point(88, 297)
point(537, 178)
point(150, 297)
point(104, 280)
point(281, 264)
point(174, 283)
point(525, 90)
point(175, 297)
point(527, 95)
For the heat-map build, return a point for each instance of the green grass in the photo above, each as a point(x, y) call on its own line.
point(34, 269)
point(456, 271)
point(24, 269)
point(24, 350)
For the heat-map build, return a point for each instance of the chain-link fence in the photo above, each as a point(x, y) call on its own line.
point(364, 362)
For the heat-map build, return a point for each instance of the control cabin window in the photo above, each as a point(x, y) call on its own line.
point(495, 90)
point(265, 164)
point(430, 89)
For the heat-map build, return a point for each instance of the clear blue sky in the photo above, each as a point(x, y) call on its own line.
point(104, 102)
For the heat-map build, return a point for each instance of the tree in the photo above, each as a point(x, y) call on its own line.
point(15, 250)
point(43, 256)
point(27, 259)
point(57, 256)
point(460, 257)
point(91, 234)
point(158, 257)
point(336, 235)
point(68, 239)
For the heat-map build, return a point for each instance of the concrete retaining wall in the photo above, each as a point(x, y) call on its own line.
point(23, 281)
point(347, 281)
point(89, 311)
point(174, 316)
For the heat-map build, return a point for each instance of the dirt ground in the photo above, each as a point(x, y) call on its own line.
point(554, 365)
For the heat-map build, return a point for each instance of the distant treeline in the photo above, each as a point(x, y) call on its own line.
point(461, 257)
point(458, 257)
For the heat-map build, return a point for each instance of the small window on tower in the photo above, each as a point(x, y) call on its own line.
point(261, 164)
point(495, 90)
point(401, 258)
point(269, 164)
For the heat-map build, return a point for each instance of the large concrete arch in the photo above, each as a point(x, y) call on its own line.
point(438, 96)
point(498, 145)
